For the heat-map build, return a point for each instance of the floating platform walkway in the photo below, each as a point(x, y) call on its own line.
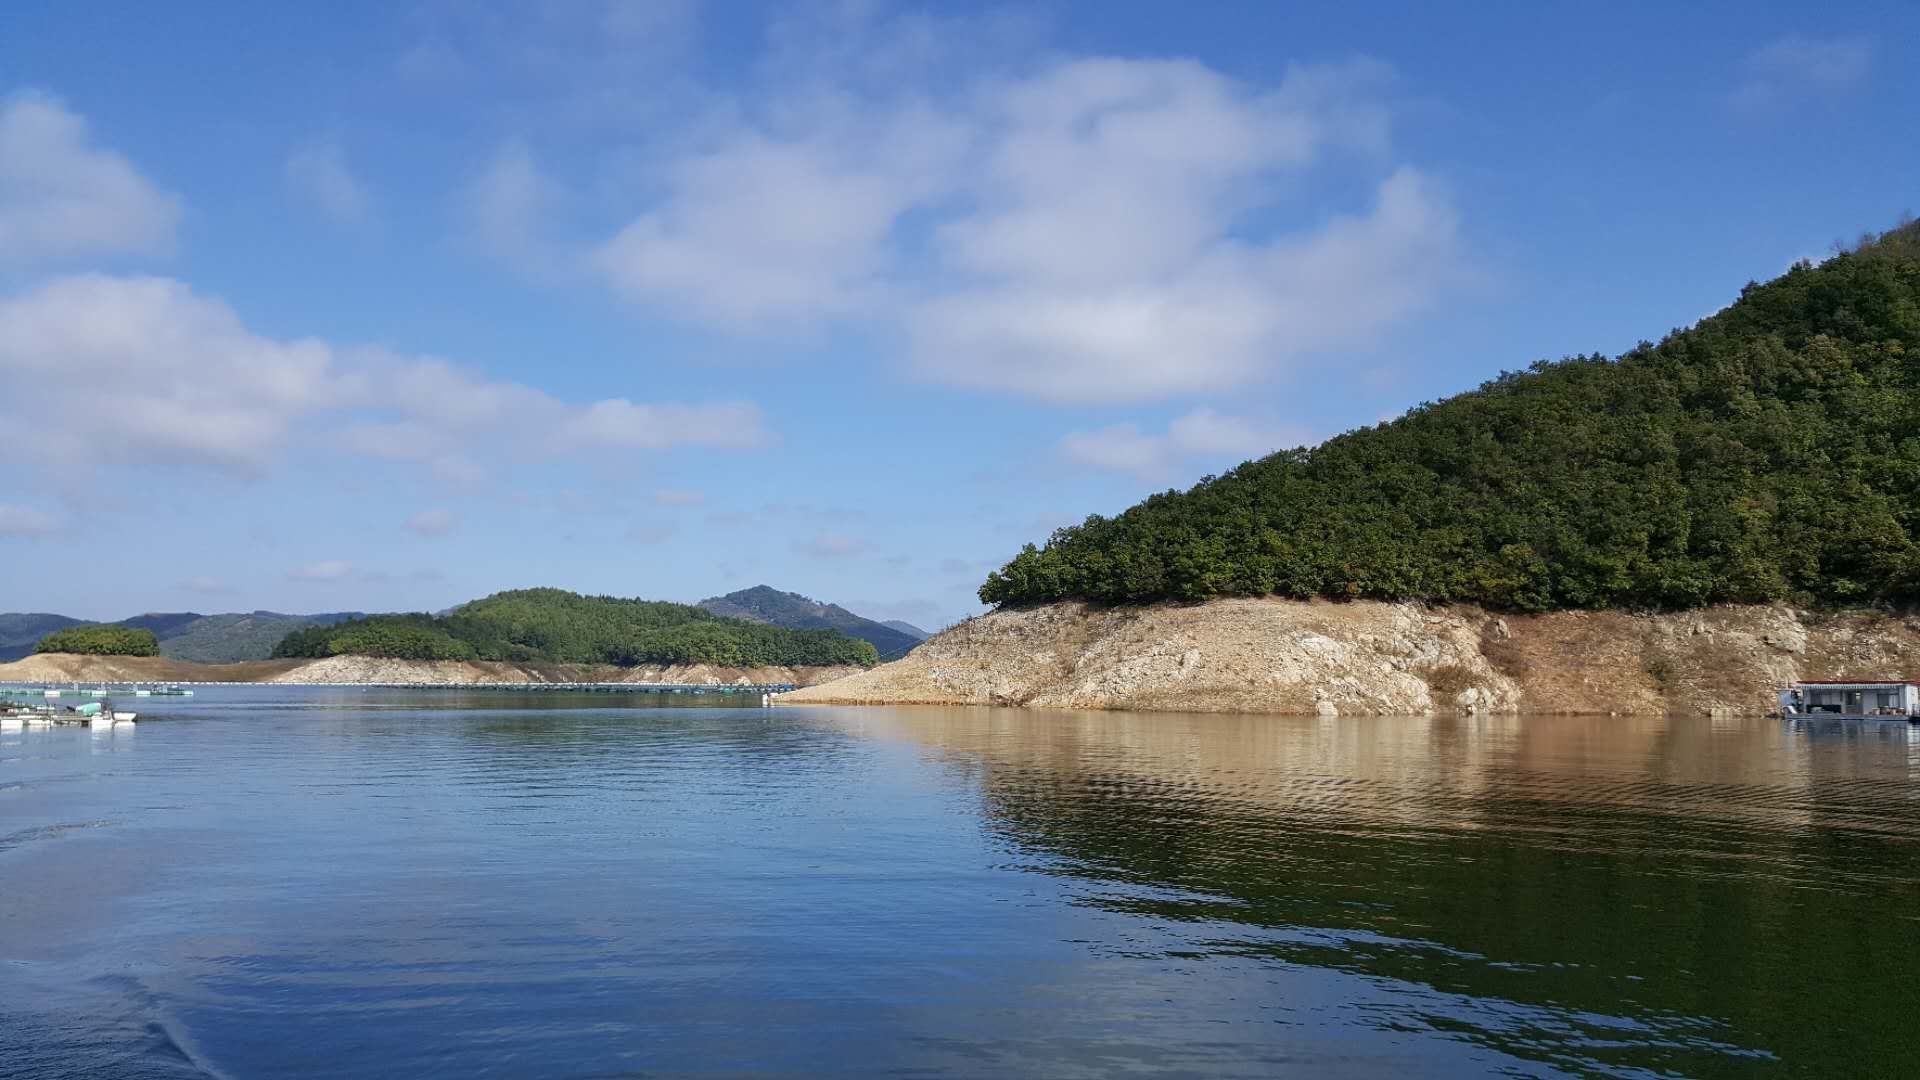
point(1893, 700)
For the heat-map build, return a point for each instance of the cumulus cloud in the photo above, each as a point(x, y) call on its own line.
point(63, 197)
point(188, 383)
point(317, 174)
point(330, 570)
point(1797, 66)
point(432, 523)
point(777, 231)
point(16, 520)
point(1096, 229)
point(1200, 434)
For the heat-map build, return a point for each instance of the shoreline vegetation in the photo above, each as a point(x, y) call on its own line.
point(1681, 529)
point(560, 627)
point(1768, 454)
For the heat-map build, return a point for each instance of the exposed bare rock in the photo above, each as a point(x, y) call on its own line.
point(1369, 658)
point(60, 667)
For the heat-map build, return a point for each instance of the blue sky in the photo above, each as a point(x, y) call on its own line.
point(388, 306)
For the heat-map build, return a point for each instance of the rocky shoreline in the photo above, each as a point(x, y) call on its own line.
point(1372, 658)
point(363, 671)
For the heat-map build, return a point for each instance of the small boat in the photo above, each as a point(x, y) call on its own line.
point(1895, 700)
point(124, 717)
point(12, 722)
point(50, 693)
point(142, 693)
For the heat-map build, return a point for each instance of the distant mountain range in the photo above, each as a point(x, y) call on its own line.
point(235, 636)
point(184, 635)
point(764, 604)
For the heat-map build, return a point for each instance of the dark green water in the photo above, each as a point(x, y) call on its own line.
point(352, 884)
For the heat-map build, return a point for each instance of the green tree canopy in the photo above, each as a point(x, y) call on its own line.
point(563, 627)
point(100, 640)
point(1770, 452)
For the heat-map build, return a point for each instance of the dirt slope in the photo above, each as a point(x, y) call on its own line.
point(1381, 659)
point(66, 667)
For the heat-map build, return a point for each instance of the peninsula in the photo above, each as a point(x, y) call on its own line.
point(1684, 527)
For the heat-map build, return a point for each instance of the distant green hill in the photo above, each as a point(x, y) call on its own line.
point(183, 635)
point(20, 631)
point(563, 627)
point(223, 639)
point(765, 604)
point(1770, 452)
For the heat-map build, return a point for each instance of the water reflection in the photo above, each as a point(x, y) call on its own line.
point(330, 883)
point(1676, 895)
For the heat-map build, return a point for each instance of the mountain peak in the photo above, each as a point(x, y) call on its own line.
point(766, 604)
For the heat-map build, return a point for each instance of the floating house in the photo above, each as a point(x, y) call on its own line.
point(1892, 699)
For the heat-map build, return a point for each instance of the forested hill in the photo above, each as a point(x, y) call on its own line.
point(183, 635)
point(1770, 452)
point(765, 604)
point(563, 627)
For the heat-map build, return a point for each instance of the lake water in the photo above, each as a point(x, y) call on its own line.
point(350, 883)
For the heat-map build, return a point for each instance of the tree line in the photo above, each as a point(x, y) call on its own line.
point(553, 625)
point(1771, 452)
point(100, 640)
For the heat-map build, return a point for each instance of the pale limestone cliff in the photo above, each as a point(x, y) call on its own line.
point(62, 667)
point(1374, 658)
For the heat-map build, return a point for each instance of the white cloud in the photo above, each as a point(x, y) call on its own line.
point(17, 520)
point(62, 197)
point(318, 174)
point(182, 379)
point(186, 383)
point(618, 422)
point(1796, 66)
point(1095, 230)
point(1200, 434)
point(330, 570)
point(432, 523)
point(776, 230)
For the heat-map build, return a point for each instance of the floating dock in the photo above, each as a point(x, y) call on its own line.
point(1890, 700)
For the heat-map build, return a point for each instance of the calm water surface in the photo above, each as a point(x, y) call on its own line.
point(354, 884)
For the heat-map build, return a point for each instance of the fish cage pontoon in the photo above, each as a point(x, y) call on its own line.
point(1889, 699)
